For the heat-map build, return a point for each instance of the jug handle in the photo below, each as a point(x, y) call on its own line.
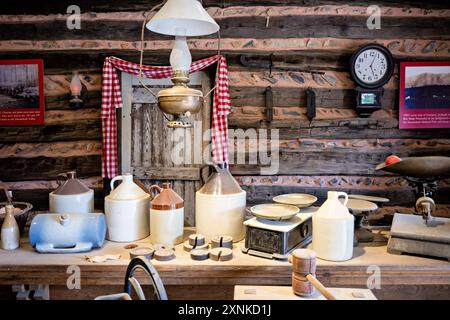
point(154, 190)
point(114, 180)
point(346, 197)
point(61, 178)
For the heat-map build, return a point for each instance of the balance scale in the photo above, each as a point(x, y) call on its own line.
point(422, 233)
point(277, 239)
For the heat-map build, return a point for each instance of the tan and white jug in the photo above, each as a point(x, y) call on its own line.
point(333, 228)
point(220, 207)
point(166, 216)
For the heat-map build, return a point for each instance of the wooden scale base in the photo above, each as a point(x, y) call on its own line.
point(410, 234)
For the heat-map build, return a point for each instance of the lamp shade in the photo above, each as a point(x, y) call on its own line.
point(186, 15)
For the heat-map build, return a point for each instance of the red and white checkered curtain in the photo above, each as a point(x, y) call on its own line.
point(112, 99)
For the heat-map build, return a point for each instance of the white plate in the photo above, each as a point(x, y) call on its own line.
point(301, 200)
point(368, 198)
point(274, 211)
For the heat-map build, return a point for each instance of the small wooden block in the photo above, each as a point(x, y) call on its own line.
point(221, 254)
point(164, 255)
point(196, 240)
point(142, 252)
point(199, 254)
point(222, 242)
point(187, 247)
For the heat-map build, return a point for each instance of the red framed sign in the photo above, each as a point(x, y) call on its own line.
point(22, 92)
point(424, 95)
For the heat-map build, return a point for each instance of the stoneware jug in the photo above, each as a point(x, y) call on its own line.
point(127, 211)
point(333, 228)
point(72, 196)
point(166, 216)
point(220, 206)
point(10, 230)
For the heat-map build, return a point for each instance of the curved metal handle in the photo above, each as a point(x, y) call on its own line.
point(114, 180)
point(147, 267)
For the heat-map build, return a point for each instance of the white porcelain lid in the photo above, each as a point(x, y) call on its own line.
point(127, 189)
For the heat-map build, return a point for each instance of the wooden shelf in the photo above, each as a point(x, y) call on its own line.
point(25, 266)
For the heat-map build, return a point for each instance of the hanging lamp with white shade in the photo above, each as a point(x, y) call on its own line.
point(181, 18)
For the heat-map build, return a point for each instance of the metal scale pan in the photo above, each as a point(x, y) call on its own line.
point(426, 235)
point(432, 168)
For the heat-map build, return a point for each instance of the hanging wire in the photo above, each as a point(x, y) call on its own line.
point(141, 58)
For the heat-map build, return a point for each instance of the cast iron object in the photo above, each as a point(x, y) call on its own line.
point(433, 167)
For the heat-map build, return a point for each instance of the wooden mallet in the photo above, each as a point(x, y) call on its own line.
point(304, 274)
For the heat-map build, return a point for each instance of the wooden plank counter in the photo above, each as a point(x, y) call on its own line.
point(185, 278)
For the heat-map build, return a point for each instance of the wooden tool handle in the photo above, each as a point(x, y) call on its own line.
point(319, 286)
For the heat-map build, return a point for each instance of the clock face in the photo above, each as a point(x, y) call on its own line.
point(371, 66)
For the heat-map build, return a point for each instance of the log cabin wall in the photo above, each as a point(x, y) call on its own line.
point(335, 151)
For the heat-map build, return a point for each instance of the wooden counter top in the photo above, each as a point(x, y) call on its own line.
point(25, 266)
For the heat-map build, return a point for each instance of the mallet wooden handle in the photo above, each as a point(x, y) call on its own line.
point(319, 286)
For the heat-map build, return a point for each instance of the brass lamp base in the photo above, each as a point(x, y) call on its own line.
point(180, 101)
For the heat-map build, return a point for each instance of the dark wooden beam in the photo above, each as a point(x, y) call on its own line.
point(40, 168)
point(55, 6)
point(81, 130)
point(334, 26)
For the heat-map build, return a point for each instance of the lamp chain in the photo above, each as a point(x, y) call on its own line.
point(141, 58)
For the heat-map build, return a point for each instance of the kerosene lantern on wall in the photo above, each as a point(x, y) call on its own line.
point(76, 89)
point(181, 18)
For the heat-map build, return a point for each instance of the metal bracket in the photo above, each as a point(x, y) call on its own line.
point(269, 104)
point(310, 104)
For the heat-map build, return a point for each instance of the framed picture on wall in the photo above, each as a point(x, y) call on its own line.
point(424, 95)
point(22, 92)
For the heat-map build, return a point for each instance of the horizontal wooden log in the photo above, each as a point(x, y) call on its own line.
point(220, 14)
point(264, 194)
point(292, 113)
point(167, 173)
point(350, 182)
point(63, 116)
point(289, 162)
point(91, 182)
point(323, 157)
point(400, 48)
point(55, 149)
point(39, 168)
point(73, 131)
point(279, 22)
point(349, 145)
point(31, 7)
point(359, 128)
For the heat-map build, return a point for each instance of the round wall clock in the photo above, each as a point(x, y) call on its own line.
point(371, 67)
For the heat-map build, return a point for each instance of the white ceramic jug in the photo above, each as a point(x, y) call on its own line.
point(333, 228)
point(127, 211)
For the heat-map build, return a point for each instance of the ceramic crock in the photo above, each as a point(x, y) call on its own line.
point(333, 229)
point(220, 207)
point(72, 196)
point(166, 216)
point(127, 211)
